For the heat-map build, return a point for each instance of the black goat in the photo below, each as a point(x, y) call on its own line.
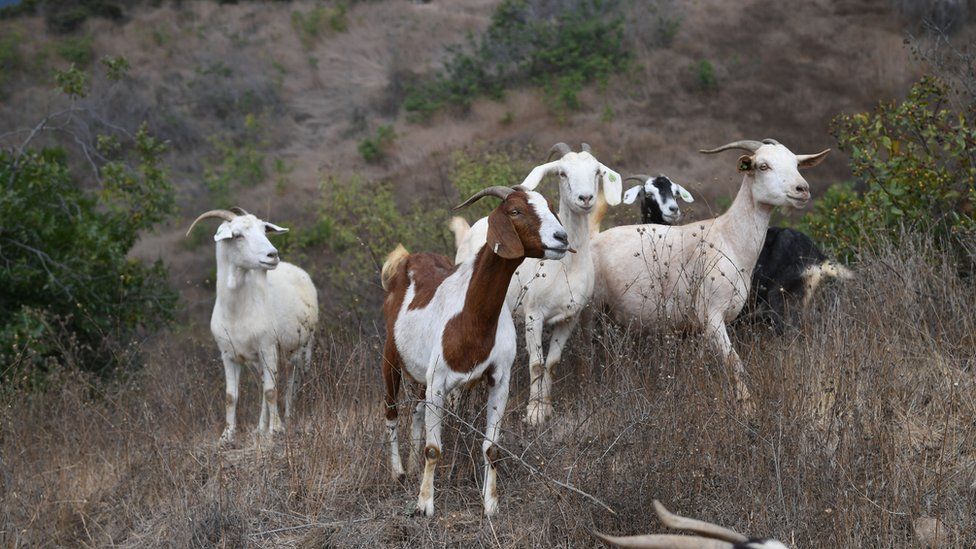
point(789, 270)
point(658, 203)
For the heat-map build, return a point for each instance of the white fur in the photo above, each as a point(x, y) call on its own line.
point(698, 275)
point(552, 293)
point(266, 311)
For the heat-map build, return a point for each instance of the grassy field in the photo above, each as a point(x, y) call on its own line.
point(864, 424)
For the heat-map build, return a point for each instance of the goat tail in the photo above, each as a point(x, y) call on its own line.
point(836, 270)
point(391, 264)
point(459, 226)
point(598, 213)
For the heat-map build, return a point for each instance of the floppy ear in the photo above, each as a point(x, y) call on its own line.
point(680, 191)
point(745, 163)
point(224, 232)
point(271, 228)
point(612, 185)
point(805, 161)
point(631, 194)
point(502, 238)
point(535, 176)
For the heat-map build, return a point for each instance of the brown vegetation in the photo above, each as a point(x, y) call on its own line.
point(864, 424)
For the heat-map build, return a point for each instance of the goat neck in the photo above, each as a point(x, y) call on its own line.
point(490, 277)
point(577, 226)
point(239, 289)
point(744, 224)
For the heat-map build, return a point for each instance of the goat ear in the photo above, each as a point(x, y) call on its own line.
point(612, 185)
point(535, 176)
point(630, 195)
point(805, 161)
point(224, 232)
point(271, 228)
point(502, 237)
point(745, 163)
point(684, 194)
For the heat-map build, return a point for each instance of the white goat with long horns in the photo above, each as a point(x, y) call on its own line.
point(265, 314)
point(709, 536)
point(697, 276)
point(552, 293)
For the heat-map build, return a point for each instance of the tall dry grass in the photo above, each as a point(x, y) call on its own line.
point(865, 422)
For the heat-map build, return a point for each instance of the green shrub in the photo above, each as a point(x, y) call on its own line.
point(705, 75)
point(11, 59)
point(309, 25)
point(238, 162)
point(77, 50)
point(914, 165)
point(69, 292)
point(373, 149)
point(581, 45)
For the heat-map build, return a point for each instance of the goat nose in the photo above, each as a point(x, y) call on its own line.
point(273, 254)
point(585, 198)
point(562, 237)
point(803, 188)
point(673, 209)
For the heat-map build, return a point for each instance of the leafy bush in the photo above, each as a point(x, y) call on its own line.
point(309, 25)
point(914, 165)
point(77, 50)
point(373, 149)
point(68, 290)
point(239, 161)
point(581, 42)
point(705, 75)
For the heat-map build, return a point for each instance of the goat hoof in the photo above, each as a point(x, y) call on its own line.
point(227, 437)
point(491, 507)
point(425, 508)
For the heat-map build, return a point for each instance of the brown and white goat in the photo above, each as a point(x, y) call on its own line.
point(448, 326)
point(709, 536)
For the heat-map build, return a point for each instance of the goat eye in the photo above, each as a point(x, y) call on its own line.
point(237, 234)
point(562, 174)
point(514, 212)
point(764, 167)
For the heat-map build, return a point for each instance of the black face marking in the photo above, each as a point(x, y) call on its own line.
point(650, 207)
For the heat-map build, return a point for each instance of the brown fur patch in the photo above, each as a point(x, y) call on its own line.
point(228, 400)
point(432, 453)
point(271, 395)
point(491, 455)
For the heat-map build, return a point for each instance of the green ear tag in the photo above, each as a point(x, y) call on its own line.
point(612, 177)
point(685, 195)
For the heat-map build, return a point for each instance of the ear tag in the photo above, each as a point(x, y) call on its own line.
point(495, 249)
point(612, 177)
point(685, 195)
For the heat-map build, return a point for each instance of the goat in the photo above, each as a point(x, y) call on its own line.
point(790, 268)
point(266, 310)
point(697, 276)
point(448, 326)
point(710, 536)
point(553, 292)
point(658, 204)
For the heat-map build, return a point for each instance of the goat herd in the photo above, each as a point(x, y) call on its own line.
point(449, 323)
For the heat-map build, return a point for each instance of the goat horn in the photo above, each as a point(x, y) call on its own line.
point(239, 210)
point(745, 145)
point(497, 190)
point(638, 177)
point(585, 147)
point(706, 529)
point(226, 215)
point(561, 148)
point(664, 541)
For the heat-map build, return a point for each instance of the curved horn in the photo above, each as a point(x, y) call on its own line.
point(664, 541)
point(585, 147)
point(706, 529)
point(239, 210)
point(226, 215)
point(561, 148)
point(745, 145)
point(638, 177)
point(497, 190)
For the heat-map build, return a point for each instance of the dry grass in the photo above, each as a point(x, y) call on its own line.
point(865, 423)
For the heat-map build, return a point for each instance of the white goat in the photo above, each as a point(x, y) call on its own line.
point(266, 311)
point(697, 275)
point(552, 293)
point(447, 326)
point(709, 536)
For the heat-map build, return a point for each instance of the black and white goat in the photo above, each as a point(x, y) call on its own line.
point(658, 201)
point(789, 270)
point(709, 536)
